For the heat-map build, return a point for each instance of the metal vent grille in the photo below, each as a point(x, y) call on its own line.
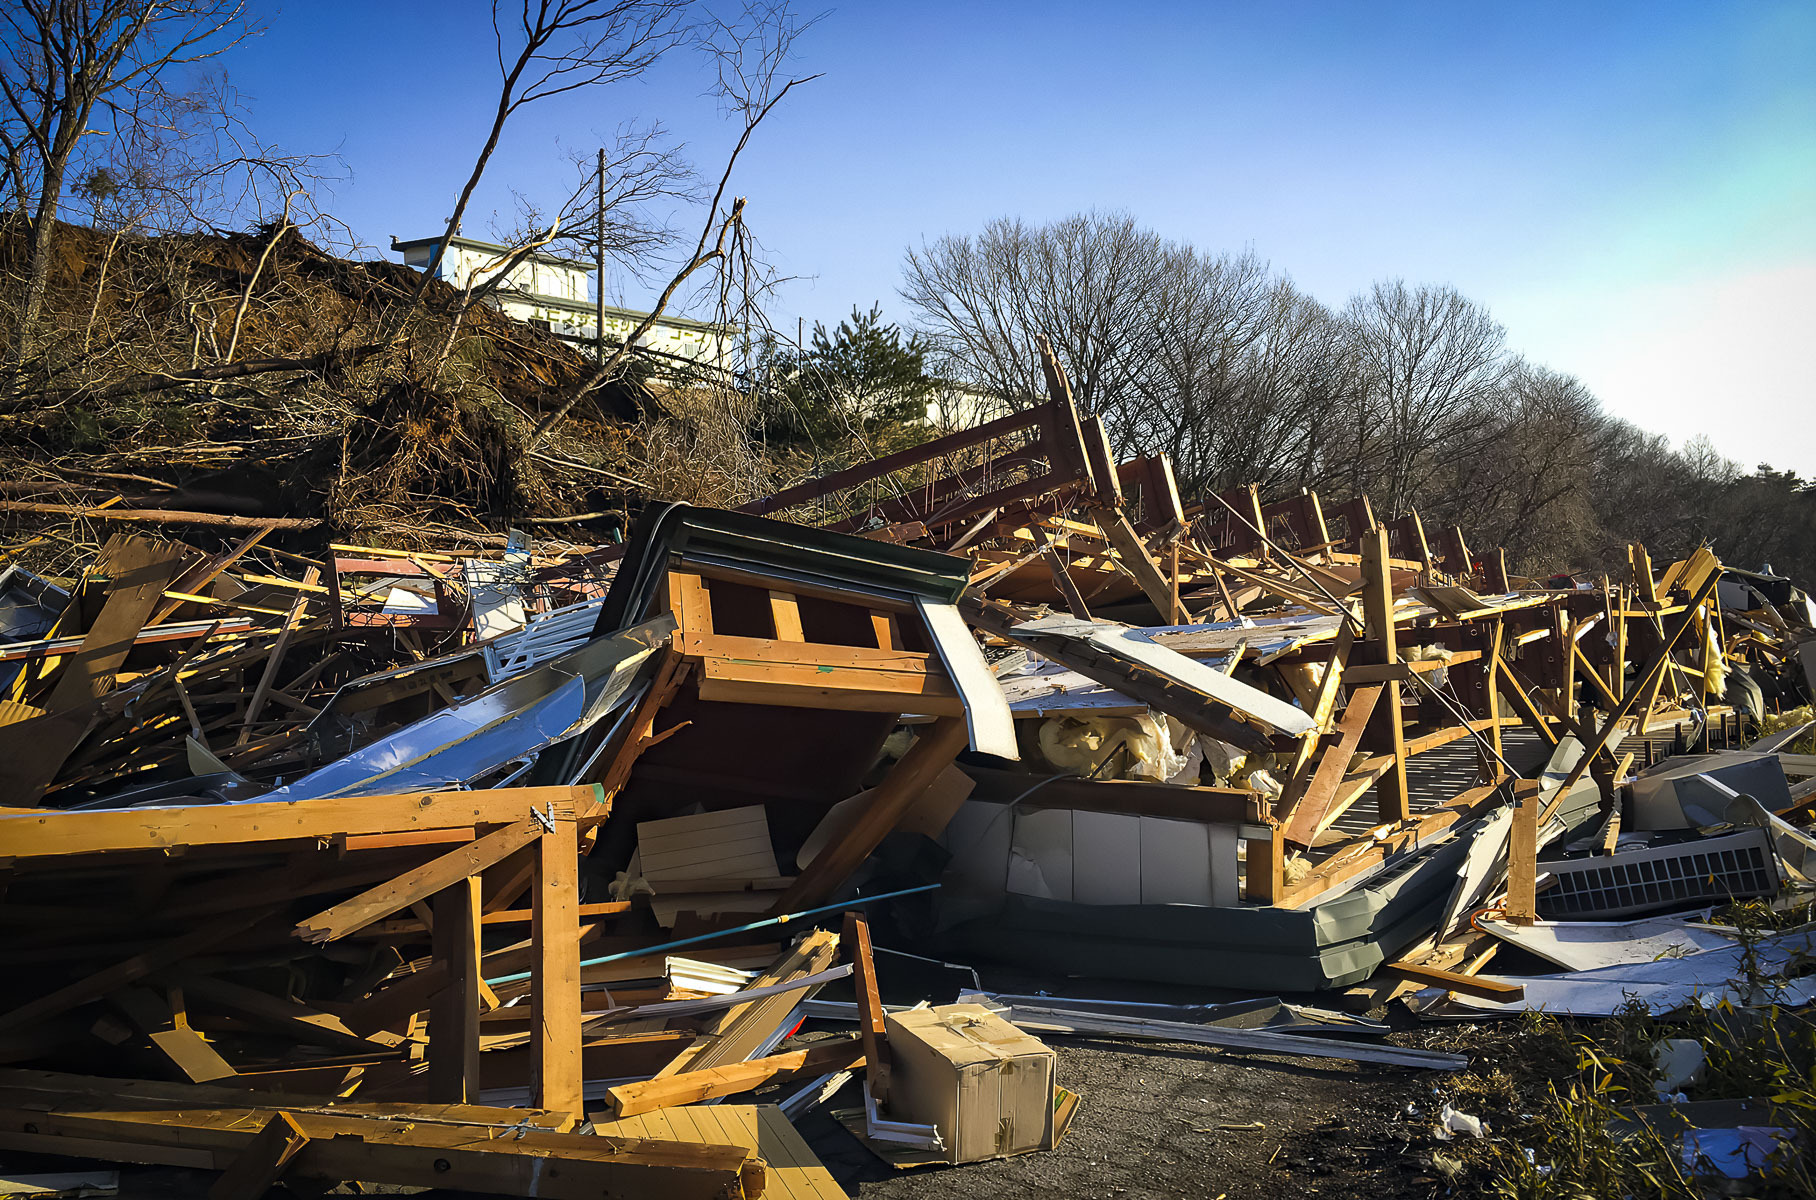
point(1736, 865)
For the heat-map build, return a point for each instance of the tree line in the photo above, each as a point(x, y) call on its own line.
point(1407, 393)
point(113, 114)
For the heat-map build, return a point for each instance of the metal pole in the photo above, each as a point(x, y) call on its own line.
point(599, 267)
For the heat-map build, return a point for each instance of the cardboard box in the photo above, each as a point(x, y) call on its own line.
point(984, 1084)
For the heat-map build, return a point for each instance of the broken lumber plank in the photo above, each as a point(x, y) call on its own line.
point(555, 1166)
point(198, 577)
point(186, 1049)
point(739, 1030)
point(872, 1029)
point(33, 751)
point(299, 609)
point(1650, 677)
point(1305, 817)
point(1521, 905)
point(1455, 981)
point(1062, 578)
point(1133, 555)
point(691, 1087)
point(350, 916)
point(258, 1167)
point(295, 1020)
point(932, 752)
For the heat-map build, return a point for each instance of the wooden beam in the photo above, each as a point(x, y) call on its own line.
point(1491, 700)
point(785, 612)
point(931, 753)
point(1522, 855)
point(350, 916)
point(299, 608)
point(45, 832)
point(1134, 556)
point(1522, 703)
point(1062, 578)
point(691, 605)
point(293, 1019)
point(1648, 682)
point(186, 1049)
point(508, 916)
point(454, 1012)
point(33, 751)
point(555, 936)
point(1306, 817)
point(1389, 727)
point(1264, 867)
point(1594, 677)
point(415, 1149)
point(1323, 704)
point(258, 1167)
point(872, 1033)
point(738, 1031)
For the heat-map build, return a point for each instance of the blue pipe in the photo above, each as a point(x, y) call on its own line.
point(707, 937)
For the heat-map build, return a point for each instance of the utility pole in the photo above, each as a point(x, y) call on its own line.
point(599, 268)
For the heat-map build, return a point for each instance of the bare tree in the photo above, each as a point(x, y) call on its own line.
point(1088, 282)
point(1208, 357)
point(546, 48)
point(751, 56)
point(608, 216)
point(1430, 362)
point(72, 68)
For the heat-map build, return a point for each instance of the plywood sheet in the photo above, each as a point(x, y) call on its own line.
point(794, 1172)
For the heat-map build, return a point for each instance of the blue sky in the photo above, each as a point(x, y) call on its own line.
point(1629, 187)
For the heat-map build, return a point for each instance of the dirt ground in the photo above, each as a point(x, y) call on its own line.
point(1169, 1120)
point(1154, 1120)
point(1187, 1121)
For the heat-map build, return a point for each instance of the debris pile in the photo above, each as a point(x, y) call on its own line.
point(498, 870)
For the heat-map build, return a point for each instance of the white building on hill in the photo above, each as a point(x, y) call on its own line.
point(551, 292)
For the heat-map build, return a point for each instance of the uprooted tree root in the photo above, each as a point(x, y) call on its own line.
point(418, 450)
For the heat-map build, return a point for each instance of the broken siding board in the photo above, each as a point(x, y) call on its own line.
point(730, 844)
point(1040, 688)
point(738, 1031)
point(988, 721)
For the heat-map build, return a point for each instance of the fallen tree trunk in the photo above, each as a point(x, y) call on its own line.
point(160, 516)
point(162, 381)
